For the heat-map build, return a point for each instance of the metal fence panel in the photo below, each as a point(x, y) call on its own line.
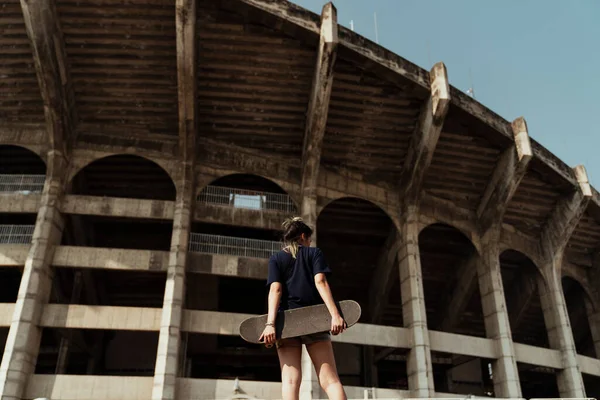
point(21, 183)
point(232, 246)
point(248, 199)
point(16, 234)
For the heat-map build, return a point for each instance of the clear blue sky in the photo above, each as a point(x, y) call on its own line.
point(534, 58)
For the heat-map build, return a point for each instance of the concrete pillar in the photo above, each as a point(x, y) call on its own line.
point(560, 336)
point(22, 344)
point(169, 341)
point(497, 326)
point(594, 321)
point(419, 367)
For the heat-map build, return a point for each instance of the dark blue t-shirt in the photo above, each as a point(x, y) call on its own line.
point(297, 276)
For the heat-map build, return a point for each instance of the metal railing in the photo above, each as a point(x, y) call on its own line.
point(22, 183)
point(16, 234)
point(232, 246)
point(248, 199)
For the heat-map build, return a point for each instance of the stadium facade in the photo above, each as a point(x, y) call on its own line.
point(149, 152)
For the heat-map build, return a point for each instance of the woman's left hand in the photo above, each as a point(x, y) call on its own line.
point(338, 325)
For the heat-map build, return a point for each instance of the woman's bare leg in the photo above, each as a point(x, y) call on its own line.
point(321, 354)
point(290, 357)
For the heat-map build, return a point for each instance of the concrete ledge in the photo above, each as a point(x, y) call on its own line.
point(589, 365)
point(221, 323)
point(20, 203)
point(6, 312)
point(211, 389)
point(211, 213)
point(539, 356)
point(461, 344)
point(89, 387)
point(13, 255)
point(118, 207)
point(214, 264)
point(101, 317)
point(105, 258)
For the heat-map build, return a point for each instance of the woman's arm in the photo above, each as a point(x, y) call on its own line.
point(274, 298)
point(268, 336)
point(337, 322)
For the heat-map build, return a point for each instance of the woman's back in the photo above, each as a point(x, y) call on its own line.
point(297, 276)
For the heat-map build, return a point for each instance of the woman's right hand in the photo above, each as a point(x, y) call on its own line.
point(338, 325)
point(268, 335)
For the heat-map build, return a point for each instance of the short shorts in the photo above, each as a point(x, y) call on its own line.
point(305, 339)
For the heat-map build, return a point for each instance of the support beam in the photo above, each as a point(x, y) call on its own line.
point(382, 281)
point(418, 366)
point(169, 340)
point(461, 294)
point(318, 109)
point(553, 240)
point(561, 224)
point(519, 299)
point(51, 66)
point(23, 341)
point(426, 135)
point(509, 171)
point(497, 326)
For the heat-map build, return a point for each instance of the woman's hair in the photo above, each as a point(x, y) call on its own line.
point(293, 228)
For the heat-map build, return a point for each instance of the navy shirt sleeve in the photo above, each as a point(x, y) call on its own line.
point(319, 265)
point(274, 274)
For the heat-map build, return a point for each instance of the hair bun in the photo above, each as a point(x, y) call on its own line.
point(288, 222)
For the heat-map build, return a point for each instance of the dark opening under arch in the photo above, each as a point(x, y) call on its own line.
point(127, 176)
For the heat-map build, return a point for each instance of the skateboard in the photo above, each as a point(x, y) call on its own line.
point(299, 321)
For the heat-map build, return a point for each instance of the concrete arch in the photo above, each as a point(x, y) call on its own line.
point(30, 150)
point(465, 232)
point(84, 159)
point(570, 271)
point(394, 218)
point(164, 177)
point(276, 186)
point(538, 269)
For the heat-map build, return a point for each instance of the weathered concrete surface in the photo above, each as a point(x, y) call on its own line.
point(553, 241)
point(20, 203)
point(497, 326)
point(510, 170)
point(52, 69)
point(215, 264)
point(24, 335)
point(318, 110)
point(426, 135)
point(13, 255)
point(118, 207)
point(90, 387)
point(30, 136)
point(419, 367)
point(105, 258)
point(6, 312)
point(235, 216)
point(76, 316)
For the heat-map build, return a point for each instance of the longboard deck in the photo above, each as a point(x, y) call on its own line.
point(300, 321)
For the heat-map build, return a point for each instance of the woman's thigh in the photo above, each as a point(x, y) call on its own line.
point(321, 354)
point(290, 358)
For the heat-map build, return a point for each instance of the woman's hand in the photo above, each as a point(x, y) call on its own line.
point(268, 335)
point(338, 325)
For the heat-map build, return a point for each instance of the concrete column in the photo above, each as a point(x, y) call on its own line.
point(497, 326)
point(419, 367)
point(560, 336)
point(594, 321)
point(23, 342)
point(169, 341)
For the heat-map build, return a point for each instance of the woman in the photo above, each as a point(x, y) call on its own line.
point(298, 278)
